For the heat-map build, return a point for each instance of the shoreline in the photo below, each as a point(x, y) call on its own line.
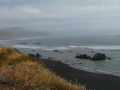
point(93, 71)
point(91, 80)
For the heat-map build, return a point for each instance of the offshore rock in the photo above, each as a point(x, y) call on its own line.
point(98, 57)
point(84, 56)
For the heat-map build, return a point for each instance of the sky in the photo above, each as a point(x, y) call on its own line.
point(67, 17)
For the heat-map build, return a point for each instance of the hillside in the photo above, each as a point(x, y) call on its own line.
point(20, 72)
point(18, 32)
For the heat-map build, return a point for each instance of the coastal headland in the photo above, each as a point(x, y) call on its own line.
point(22, 72)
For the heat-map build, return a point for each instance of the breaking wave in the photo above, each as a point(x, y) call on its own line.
point(47, 48)
point(98, 47)
point(41, 47)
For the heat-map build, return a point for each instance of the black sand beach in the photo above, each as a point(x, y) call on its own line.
point(92, 81)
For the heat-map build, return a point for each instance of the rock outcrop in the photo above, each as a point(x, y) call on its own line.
point(98, 57)
point(56, 51)
point(32, 55)
point(84, 56)
point(38, 55)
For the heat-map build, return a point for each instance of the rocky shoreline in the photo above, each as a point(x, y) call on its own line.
point(96, 57)
point(93, 81)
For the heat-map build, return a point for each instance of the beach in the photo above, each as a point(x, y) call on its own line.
point(78, 40)
point(93, 81)
point(98, 75)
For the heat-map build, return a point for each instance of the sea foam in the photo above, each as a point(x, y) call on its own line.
point(41, 47)
point(98, 47)
point(47, 48)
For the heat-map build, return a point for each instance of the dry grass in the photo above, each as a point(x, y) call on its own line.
point(9, 56)
point(28, 74)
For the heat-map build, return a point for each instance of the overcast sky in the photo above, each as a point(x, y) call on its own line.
point(78, 17)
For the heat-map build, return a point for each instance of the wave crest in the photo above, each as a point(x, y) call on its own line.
point(98, 47)
point(47, 48)
point(41, 47)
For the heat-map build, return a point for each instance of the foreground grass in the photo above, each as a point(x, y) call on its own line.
point(20, 72)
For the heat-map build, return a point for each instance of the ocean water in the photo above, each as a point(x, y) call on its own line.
point(69, 47)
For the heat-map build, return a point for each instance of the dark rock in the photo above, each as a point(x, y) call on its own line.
point(56, 50)
point(49, 58)
point(36, 43)
point(84, 56)
point(23, 43)
point(108, 58)
point(32, 55)
point(98, 57)
point(33, 50)
point(80, 63)
point(38, 55)
point(89, 57)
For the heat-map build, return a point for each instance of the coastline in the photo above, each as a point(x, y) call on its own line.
point(20, 71)
point(93, 81)
point(90, 80)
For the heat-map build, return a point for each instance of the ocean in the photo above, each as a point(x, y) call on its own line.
point(69, 47)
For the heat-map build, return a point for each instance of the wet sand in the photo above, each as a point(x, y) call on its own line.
point(90, 80)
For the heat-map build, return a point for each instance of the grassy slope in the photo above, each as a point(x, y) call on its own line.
point(21, 72)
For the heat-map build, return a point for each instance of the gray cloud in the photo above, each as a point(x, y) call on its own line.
point(82, 17)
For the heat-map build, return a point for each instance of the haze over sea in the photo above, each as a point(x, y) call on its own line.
point(69, 47)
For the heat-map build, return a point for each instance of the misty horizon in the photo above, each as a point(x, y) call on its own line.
point(66, 18)
point(13, 32)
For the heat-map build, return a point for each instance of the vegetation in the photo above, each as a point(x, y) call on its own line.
point(20, 72)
